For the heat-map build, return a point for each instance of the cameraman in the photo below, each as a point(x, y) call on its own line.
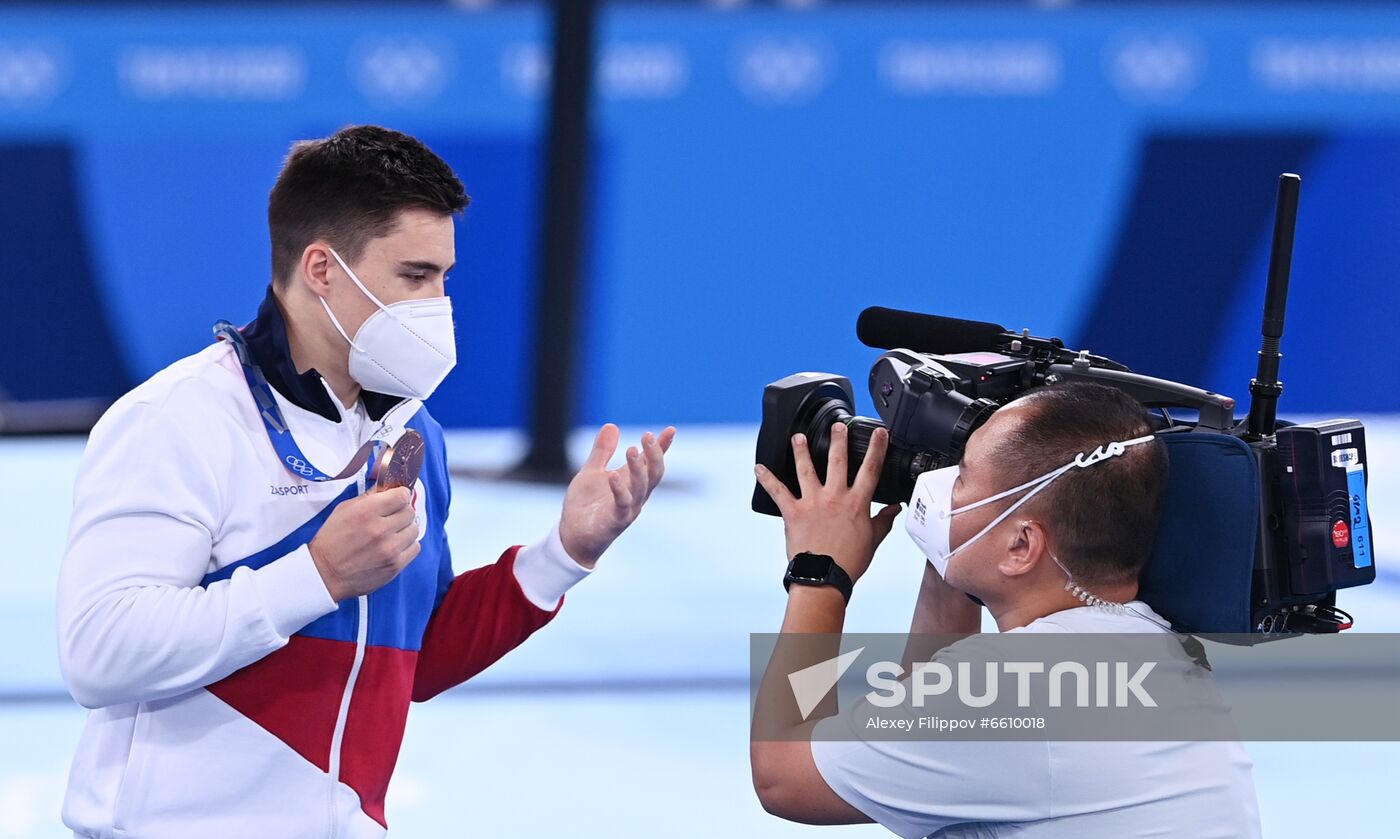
point(1023, 528)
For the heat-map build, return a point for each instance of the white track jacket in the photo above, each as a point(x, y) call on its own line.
point(230, 696)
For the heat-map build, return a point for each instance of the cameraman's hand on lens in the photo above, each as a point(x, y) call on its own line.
point(599, 504)
point(834, 518)
point(366, 542)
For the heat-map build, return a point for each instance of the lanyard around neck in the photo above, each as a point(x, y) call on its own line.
point(278, 432)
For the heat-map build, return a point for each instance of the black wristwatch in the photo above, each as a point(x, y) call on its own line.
point(807, 569)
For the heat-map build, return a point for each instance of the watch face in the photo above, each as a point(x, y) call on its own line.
point(810, 567)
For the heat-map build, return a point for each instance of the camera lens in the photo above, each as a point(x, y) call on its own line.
point(898, 474)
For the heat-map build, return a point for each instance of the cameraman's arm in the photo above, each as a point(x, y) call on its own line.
point(832, 519)
point(784, 774)
point(940, 610)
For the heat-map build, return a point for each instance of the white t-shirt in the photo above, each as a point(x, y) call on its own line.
point(1044, 789)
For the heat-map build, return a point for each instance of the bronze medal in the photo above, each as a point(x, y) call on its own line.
point(398, 465)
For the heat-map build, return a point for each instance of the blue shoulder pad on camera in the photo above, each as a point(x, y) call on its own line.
point(1201, 570)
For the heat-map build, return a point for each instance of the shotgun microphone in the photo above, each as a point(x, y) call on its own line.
point(888, 329)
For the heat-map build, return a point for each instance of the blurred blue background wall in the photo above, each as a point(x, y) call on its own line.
point(1103, 172)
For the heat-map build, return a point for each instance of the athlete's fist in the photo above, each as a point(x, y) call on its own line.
point(366, 542)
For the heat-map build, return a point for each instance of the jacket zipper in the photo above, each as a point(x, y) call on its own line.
point(337, 738)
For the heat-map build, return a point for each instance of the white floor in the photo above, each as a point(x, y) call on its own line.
point(631, 707)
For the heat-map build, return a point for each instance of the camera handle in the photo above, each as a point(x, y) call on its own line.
point(1217, 412)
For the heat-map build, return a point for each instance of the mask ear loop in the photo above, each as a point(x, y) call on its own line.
point(1083, 460)
point(1043, 480)
point(356, 280)
point(336, 321)
point(376, 301)
point(1192, 645)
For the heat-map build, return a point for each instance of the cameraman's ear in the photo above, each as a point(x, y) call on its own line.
point(1024, 549)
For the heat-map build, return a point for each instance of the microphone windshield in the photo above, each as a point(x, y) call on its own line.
point(887, 329)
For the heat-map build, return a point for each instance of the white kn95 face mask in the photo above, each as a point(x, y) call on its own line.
point(931, 512)
point(404, 349)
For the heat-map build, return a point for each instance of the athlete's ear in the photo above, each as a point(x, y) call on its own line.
point(315, 267)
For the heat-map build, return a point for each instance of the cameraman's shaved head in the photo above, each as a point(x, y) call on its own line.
point(1101, 519)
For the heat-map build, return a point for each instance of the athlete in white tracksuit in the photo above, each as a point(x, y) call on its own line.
point(248, 621)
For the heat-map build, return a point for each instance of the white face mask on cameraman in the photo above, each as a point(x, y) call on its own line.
point(931, 512)
point(404, 349)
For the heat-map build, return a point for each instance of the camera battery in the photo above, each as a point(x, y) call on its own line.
point(1322, 481)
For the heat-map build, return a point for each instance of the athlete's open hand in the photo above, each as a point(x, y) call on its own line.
point(599, 503)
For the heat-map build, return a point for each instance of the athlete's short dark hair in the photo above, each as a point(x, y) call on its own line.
point(349, 189)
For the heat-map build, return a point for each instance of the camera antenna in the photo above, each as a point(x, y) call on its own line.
point(1265, 387)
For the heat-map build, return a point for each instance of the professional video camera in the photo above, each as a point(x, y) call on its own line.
point(1263, 520)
